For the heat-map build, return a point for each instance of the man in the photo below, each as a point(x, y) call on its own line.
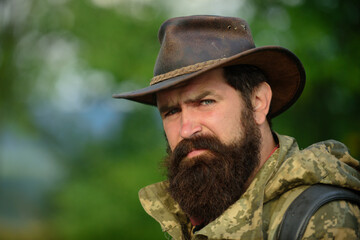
point(229, 175)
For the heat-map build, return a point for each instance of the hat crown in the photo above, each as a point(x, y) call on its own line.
point(187, 41)
point(193, 45)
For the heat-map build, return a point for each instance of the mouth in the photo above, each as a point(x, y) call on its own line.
point(195, 153)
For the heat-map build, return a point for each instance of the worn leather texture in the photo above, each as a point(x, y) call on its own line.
point(190, 46)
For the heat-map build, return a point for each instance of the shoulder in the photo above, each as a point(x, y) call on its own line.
point(335, 220)
point(327, 162)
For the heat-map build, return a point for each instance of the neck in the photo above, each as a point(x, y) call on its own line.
point(267, 146)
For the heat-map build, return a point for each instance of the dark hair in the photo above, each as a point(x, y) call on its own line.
point(245, 78)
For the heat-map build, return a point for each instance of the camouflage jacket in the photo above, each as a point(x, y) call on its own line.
point(258, 213)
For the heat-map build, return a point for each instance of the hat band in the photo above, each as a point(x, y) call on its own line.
point(184, 70)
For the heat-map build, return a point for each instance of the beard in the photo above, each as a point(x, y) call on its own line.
point(206, 185)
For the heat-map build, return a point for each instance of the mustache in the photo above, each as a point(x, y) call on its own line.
point(185, 146)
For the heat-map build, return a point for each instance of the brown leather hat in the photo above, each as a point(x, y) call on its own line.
point(193, 45)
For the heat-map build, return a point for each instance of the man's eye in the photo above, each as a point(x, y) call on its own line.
point(172, 112)
point(207, 102)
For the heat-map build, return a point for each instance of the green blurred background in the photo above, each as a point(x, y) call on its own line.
point(72, 159)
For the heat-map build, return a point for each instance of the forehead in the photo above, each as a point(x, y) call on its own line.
point(210, 81)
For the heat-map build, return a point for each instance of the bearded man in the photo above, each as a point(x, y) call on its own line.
point(229, 175)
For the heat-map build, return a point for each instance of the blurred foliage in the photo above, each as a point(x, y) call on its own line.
point(73, 159)
point(324, 38)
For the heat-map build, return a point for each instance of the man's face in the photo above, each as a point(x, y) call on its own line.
point(207, 105)
point(213, 145)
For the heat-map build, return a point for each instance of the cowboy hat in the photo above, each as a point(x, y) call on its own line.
point(193, 45)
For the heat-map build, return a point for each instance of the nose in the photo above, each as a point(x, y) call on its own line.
point(190, 126)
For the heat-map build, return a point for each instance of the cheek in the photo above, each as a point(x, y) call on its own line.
point(215, 123)
point(225, 125)
point(170, 132)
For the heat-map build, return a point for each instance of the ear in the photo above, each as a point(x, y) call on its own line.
point(261, 99)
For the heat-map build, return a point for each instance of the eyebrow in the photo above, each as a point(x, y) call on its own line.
point(166, 108)
point(199, 97)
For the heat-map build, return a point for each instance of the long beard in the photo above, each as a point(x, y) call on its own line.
point(206, 185)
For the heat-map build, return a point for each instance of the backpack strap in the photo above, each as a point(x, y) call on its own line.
point(297, 216)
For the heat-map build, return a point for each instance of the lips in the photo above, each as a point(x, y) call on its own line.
point(195, 153)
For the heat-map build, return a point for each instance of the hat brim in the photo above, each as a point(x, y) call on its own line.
point(284, 71)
